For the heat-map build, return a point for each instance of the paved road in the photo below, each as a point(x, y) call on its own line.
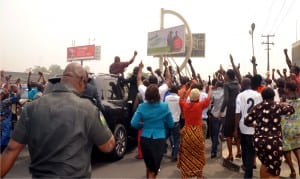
point(129, 167)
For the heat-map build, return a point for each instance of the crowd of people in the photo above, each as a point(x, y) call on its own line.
point(259, 114)
point(256, 113)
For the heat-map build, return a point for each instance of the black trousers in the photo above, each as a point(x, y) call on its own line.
point(248, 153)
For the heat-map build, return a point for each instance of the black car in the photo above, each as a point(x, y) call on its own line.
point(116, 110)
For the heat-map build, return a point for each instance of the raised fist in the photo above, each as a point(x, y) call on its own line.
point(285, 51)
point(284, 70)
point(149, 68)
point(141, 65)
point(135, 53)
point(165, 62)
point(189, 61)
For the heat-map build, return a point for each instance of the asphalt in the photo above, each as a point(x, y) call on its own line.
point(213, 169)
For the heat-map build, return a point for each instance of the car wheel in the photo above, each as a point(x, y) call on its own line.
point(121, 142)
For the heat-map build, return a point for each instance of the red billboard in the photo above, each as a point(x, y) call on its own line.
point(85, 52)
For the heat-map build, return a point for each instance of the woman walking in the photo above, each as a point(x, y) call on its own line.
point(191, 158)
point(291, 128)
point(153, 116)
point(265, 117)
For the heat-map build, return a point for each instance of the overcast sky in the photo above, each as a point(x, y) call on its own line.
point(38, 32)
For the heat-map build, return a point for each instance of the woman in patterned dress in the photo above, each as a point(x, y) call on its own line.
point(191, 159)
point(265, 117)
point(291, 128)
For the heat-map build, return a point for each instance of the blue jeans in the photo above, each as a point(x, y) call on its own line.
point(215, 126)
point(248, 153)
point(175, 139)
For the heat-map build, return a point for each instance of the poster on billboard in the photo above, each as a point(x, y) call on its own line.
point(84, 52)
point(198, 46)
point(166, 41)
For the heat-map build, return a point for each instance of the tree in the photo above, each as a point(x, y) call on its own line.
point(87, 68)
point(55, 70)
point(37, 69)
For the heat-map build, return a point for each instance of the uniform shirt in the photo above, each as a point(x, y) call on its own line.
point(244, 103)
point(173, 102)
point(60, 129)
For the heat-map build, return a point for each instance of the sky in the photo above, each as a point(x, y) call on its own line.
point(38, 32)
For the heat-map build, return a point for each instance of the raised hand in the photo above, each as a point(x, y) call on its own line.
point(285, 51)
point(135, 53)
point(165, 63)
point(141, 65)
point(149, 68)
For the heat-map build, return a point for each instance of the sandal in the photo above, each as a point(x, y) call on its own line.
point(229, 158)
point(239, 155)
point(293, 175)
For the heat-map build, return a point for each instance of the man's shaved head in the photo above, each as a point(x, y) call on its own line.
point(74, 75)
point(74, 69)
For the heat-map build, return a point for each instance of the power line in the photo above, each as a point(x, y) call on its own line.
point(268, 49)
point(289, 8)
point(277, 17)
point(268, 17)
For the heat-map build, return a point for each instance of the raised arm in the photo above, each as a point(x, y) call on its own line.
point(273, 75)
point(287, 59)
point(279, 73)
point(139, 75)
point(192, 69)
point(132, 59)
point(41, 77)
point(199, 79)
point(237, 70)
point(149, 68)
point(29, 81)
point(167, 74)
point(253, 61)
point(179, 74)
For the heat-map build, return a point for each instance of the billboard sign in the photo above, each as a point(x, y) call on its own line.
point(97, 53)
point(166, 41)
point(85, 52)
point(198, 46)
point(296, 53)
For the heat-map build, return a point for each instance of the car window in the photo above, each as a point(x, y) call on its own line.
point(108, 88)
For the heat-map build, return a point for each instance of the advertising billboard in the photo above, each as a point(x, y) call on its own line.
point(85, 52)
point(296, 53)
point(198, 46)
point(166, 41)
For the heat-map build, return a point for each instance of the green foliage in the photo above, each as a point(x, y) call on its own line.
point(55, 70)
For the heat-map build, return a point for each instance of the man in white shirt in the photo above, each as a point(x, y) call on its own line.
point(244, 103)
point(174, 133)
point(153, 80)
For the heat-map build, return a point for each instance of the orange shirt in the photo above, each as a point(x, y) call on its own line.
point(184, 91)
point(192, 111)
point(260, 88)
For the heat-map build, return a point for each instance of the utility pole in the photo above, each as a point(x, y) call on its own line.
point(268, 49)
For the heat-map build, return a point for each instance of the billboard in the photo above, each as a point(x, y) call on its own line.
point(166, 41)
point(296, 53)
point(85, 52)
point(198, 46)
